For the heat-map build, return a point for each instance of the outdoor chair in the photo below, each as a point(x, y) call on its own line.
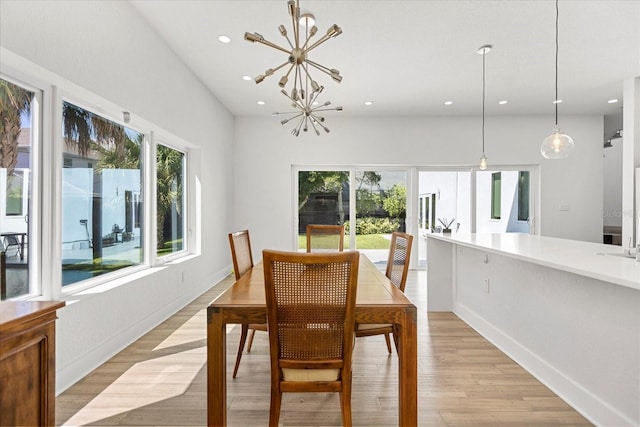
point(11, 241)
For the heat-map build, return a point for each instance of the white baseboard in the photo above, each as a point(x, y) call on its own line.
point(582, 400)
point(87, 361)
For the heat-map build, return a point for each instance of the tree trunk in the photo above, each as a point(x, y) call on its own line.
point(160, 230)
point(9, 132)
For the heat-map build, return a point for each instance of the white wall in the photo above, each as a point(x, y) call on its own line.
point(105, 49)
point(265, 151)
point(448, 197)
point(612, 169)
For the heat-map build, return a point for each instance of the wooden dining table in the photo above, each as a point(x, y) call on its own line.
point(378, 301)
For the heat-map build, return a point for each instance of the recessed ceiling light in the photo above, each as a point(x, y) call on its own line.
point(260, 102)
point(504, 101)
point(224, 39)
point(368, 103)
point(612, 101)
point(315, 103)
point(448, 102)
point(247, 78)
point(557, 101)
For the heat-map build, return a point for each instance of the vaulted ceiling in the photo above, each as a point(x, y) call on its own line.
point(409, 57)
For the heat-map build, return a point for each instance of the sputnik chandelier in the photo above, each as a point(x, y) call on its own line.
point(305, 90)
point(307, 110)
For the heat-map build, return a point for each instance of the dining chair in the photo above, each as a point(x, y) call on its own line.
point(325, 238)
point(397, 269)
point(242, 262)
point(310, 302)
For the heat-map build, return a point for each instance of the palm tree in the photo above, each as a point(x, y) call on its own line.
point(169, 187)
point(76, 126)
point(99, 139)
point(14, 101)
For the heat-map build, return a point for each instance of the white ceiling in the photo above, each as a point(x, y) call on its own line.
point(409, 57)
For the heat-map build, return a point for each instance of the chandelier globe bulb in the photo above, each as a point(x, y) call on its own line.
point(558, 145)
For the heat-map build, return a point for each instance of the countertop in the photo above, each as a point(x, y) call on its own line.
point(595, 260)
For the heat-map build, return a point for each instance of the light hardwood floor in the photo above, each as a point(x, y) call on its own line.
point(464, 380)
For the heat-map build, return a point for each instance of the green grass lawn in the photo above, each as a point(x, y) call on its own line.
point(364, 241)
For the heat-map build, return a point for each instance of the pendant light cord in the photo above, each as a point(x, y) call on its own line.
point(483, 84)
point(556, 99)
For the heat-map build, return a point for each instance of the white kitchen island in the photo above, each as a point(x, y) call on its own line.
point(567, 311)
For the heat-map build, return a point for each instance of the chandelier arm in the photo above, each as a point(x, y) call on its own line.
point(299, 77)
point(306, 72)
point(284, 92)
point(306, 84)
point(286, 112)
point(289, 119)
point(326, 109)
point(295, 12)
point(320, 67)
point(294, 92)
point(273, 70)
point(305, 47)
point(317, 43)
point(273, 45)
point(286, 76)
point(288, 41)
point(316, 94)
point(315, 128)
point(319, 123)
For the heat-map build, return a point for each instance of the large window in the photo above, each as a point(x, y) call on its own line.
point(101, 189)
point(17, 131)
point(94, 210)
point(170, 200)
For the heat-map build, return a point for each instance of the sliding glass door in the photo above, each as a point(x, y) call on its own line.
point(323, 198)
point(371, 203)
point(381, 209)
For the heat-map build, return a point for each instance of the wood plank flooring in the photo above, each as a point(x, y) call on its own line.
point(160, 380)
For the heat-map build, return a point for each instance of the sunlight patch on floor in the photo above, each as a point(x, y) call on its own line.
point(154, 380)
point(143, 384)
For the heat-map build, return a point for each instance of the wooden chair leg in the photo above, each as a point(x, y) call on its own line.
point(274, 410)
point(253, 332)
point(395, 341)
point(345, 403)
point(243, 339)
point(386, 337)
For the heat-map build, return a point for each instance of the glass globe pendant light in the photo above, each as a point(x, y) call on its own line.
point(558, 145)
